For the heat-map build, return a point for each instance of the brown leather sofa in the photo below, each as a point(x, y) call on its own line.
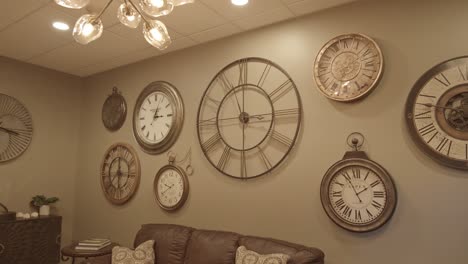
point(175, 244)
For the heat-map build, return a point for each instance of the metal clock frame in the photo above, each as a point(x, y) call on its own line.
point(186, 190)
point(176, 99)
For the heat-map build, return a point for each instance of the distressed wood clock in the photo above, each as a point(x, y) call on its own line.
point(158, 117)
point(249, 118)
point(16, 128)
point(120, 173)
point(348, 67)
point(114, 111)
point(357, 193)
point(437, 113)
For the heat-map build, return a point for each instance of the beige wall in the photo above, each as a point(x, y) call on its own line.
point(429, 225)
point(49, 164)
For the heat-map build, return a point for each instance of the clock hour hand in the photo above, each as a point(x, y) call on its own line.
point(9, 131)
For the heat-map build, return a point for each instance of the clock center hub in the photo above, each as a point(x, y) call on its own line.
point(244, 118)
point(346, 66)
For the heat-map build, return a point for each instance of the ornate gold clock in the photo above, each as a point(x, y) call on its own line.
point(158, 117)
point(249, 118)
point(357, 193)
point(120, 173)
point(437, 113)
point(16, 129)
point(114, 111)
point(348, 67)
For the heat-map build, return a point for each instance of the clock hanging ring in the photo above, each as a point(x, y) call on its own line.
point(249, 118)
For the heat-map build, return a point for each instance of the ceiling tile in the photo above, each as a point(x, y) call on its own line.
point(193, 18)
point(13, 11)
point(178, 44)
point(232, 12)
point(216, 33)
point(309, 6)
point(35, 35)
point(127, 32)
point(266, 18)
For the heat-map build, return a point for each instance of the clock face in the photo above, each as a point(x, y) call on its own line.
point(120, 173)
point(114, 111)
point(158, 117)
point(249, 118)
point(16, 129)
point(358, 195)
point(348, 67)
point(171, 187)
point(437, 113)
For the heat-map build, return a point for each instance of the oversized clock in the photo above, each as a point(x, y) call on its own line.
point(114, 111)
point(171, 186)
point(437, 113)
point(357, 193)
point(158, 117)
point(348, 67)
point(249, 118)
point(16, 128)
point(120, 173)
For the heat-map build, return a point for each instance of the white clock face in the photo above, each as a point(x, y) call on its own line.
point(170, 188)
point(155, 118)
point(357, 195)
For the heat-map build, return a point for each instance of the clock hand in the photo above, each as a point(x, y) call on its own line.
point(354, 189)
point(442, 107)
point(362, 191)
point(9, 131)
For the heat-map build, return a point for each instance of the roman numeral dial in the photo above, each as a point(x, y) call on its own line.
point(249, 118)
point(348, 67)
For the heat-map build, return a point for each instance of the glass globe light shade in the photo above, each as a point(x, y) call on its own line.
point(182, 2)
point(87, 29)
point(74, 4)
point(155, 33)
point(156, 8)
point(128, 15)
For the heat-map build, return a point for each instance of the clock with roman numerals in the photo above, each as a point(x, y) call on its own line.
point(357, 193)
point(348, 67)
point(120, 173)
point(437, 113)
point(249, 118)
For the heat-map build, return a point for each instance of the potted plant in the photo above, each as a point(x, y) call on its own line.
point(43, 203)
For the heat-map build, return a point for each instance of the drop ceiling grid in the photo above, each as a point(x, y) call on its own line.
point(26, 33)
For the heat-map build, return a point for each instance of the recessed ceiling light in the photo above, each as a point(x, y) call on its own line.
point(239, 2)
point(61, 26)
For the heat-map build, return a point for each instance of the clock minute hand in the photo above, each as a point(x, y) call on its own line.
point(438, 106)
point(9, 131)
point(357, 195)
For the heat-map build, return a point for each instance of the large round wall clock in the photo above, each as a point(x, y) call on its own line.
point(249, 118)
point(120, 173)
point(158, 117)
point(348, 67)
point(357, 193)
point(16, 129)
point(171, 186)
point(437, 113)
point(114, 111)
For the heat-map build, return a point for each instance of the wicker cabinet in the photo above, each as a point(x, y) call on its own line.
point(31, 241)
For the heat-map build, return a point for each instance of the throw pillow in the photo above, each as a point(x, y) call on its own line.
point(245, 256)
point(143, 254)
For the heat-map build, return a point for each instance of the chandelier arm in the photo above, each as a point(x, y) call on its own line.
point(103, 10)
point(139, 12)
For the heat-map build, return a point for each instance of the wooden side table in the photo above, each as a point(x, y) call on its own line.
point(70, 252)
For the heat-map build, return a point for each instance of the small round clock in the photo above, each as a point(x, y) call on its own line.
point(437, 113)
point(120, 173)
point(348, 67)
point(16, 129)
point(357, 193)
point(114, 111)
point(171, 186)
point(158, 117)
point(249, 118)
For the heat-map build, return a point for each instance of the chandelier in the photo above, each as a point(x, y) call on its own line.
point(89, 27)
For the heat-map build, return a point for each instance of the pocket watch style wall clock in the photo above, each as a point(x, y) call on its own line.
point(171, 186)
point(114, 111)
point(249, 118)
point(120, 173)
point(437, 113)
point(348, 67)
point(16, 129)
point(357, 193)
point(158, 117)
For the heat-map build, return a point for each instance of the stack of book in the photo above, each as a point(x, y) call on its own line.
point(93, 244)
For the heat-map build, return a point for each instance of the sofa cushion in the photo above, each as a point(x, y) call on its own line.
point(245, 256)
point(143, 254)
point(212, 247)
point(170, 241)
point(299, 254)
